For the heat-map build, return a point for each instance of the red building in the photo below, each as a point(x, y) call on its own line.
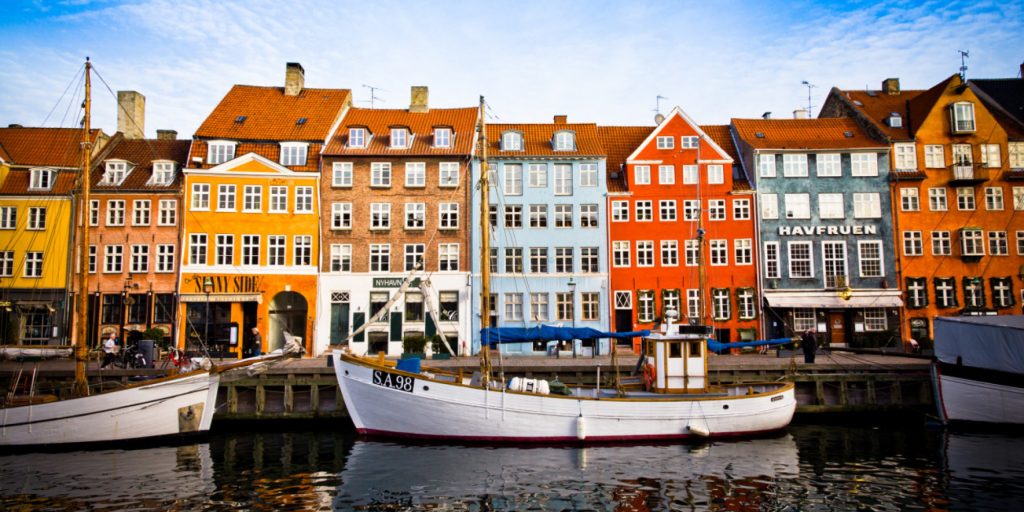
point(673, 175)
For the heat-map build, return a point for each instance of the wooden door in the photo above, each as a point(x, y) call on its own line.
point(837, 328)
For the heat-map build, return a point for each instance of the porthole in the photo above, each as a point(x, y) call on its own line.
point(726, 406)
point(426, 388)
point(346, 372)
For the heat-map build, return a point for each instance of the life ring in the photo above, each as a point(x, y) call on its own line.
point(649, 377)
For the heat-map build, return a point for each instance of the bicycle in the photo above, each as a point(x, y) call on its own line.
point(177, 358)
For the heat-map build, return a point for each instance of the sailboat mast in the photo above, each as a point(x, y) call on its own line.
point(485, 248)
point(701, 254)
point(81, 386)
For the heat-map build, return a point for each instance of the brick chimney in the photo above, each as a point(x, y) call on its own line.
point(294, 78)
point(561, 119)
point(800, 113)
point(131, 114)
point(167, 135)
point(891, 86)
point(419, 99)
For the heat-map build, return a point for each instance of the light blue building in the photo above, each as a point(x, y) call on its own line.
point(548, 240)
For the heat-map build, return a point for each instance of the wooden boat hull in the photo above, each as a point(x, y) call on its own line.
point(979, 396)
point(181, 404)
point(387, 402)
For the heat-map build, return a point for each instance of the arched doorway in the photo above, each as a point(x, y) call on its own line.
point(287, 314)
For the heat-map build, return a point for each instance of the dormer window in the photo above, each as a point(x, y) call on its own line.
point(442, 137)
point(115, 173)
point(565, 141)
point(895, 121)
point(163, 173)
point(962, 117)
point(220, 151)
point(357, 137)
point(41, 179)
point(399, 138)
point(511, 141)
point(294, 153)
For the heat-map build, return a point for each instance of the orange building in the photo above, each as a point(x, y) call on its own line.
point(957, 217)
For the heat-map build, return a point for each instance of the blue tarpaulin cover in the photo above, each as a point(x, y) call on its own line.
point(498, 335)
point(718, 347)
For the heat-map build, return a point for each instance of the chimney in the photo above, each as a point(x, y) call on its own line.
point(294, 78)
point(167, 135)
point(561, 119)
point(891, 86)
point(766, 115)
point(800, 113)
point(131, 114)
point(419, 99)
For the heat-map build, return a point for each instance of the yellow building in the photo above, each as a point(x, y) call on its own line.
point(250, 240)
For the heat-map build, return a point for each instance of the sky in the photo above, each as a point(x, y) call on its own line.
point(595, 61)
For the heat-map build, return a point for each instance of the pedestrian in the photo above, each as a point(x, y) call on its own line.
point(109, 350)
point(809, 344)
point(257, 342)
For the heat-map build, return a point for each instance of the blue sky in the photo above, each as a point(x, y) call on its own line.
point(596, 61)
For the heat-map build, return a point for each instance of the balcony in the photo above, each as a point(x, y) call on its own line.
point(966, 174)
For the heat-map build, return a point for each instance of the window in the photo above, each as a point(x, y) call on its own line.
point(917, 292)
point(965, 198)
point(620, 254)
point(623, 299)
point(225, 249)
point(115, 213)
point(448, 257)
point(399, 138)
point(164, 258)
point(448, 174)
point(870, 256)
point(565, 141)
point(645, 306)
point(513, 174)
point(219, 152)
point(945, 293)
point(688, 141)
point(538, 177)
point(112, 308)
point(669, 253)
point(357, 137)
point(998, 244)
point(801, 261)
point(909, 200)
point(864, 164)
point(644, 211)
point(140, 259)
point(380, 215)
point(1002, 292)
point(829, 165)
point(1016, 152)
point(691, 252)
point(666, 142)
point(588, 216)
point(252, 198)
point(9, 217)
point(719, 253)
point(803, 319)
point(378, 302)
point(303, 199)
point(563, 260)
point(380, 174)
point(722, 305)
point(642, 174)
point(415, 215)
point(833, 261)
point(691, 209)
point(275, 250)
point(34, 264)
point(867, 205)
point(645, 253)
point(250, 250)
point(449, 216)
point(538, 215)
point(7, 263)
point(414, 256)
point(341, 258)
point(745, 303)
point(294, 153)
point(590, 302)
point(538, 260)
point(278, 199)
point(415, 174)
point(1020, 243)
point(413, 307)
point(539, 307)
point(794, 165)
point(693, 303)
point(716, 209)
point(303, 251)
point(341, 175)
point(442, 137)
point(962, 117)
point(667, 210)
point(41, 179)
point(769, 206)
point(115, 173)
point(875, 319)
point(771, 260)
point(741, 209)
point(691, 174)
point(589, 259)
point(974, 293)
point(716, 174)
point(934, 156)
point(588, 175)
point(225, 198)
point(563, 215)
point(798, 206)
point(448, 307)
point(1018, 198)
point(766, 165)
point(937, 199)
point(37, 217)
point(341, 215)
point(113, 255)
point(906, 157)
point(941, 245)
point(511, 141)
point(513, 260)
point(993, 198)
point(830, 206)
point(912, 243)
point(200, 196)
point(743, 247)
point(990, 155)
point(380, 257)
point(564, 307)
point(514, 307)
point(666, 174)
point(563, 179)
point(971, 242)
point(620, 210)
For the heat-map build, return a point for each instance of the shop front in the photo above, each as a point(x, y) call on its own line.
point(854, 318)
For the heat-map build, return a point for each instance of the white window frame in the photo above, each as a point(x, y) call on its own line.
point(200, 197)
point(905, 156)
point(667, 174)
point(863, 259)
point(831, 206)
point(448, 174)
point(400, 138)
point(910, 199)
point(794, 165)
point(294, 154)
point(666, 142)
point(793, 260)
point(867, 205)
point(766, 165)
point(341, 215)
point(935, 156)
point(798, 206)
point(220, 151)
point(341, 174)
point(913, 243)
point(863, 165)
point(415, 174)
point(642, 174)
point(357, 137)
point(769, 206)
point(828, 165)
point(380, 174)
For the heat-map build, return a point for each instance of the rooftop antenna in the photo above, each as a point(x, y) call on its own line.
point(809, 87)
point(658, 118)
point(373, 94)
point(964, 54)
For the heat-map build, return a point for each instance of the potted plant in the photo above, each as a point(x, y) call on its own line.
point(439, 351)
point(413, 346)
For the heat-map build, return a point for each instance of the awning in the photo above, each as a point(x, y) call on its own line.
point(221, 297)
point(832, 300)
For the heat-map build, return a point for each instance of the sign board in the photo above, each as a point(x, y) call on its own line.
point(867, 229)
point(393, 282)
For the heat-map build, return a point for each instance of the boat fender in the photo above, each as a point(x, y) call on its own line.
point(650, 374)
point(581, 428)
point(699, 430)
point(524, 385)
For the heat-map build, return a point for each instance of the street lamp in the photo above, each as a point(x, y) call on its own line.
point(207, 288)
point(572, 304)
point(126, 305)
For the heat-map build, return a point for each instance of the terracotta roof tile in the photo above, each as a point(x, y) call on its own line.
point(878, 106)
point(538, 139)
point(722, 135)
point(141, 153)
point(825, 133)
point(421, 125)
point(619, 142)
point(56, 147)
point(920, 106)
point(270, 115)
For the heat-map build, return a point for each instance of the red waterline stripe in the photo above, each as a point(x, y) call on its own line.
point(560, 439)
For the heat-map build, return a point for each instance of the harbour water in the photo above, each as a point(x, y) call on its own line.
point(808, 467)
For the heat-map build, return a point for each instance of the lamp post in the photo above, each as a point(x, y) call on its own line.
point(126, 305)
point(207, 288)
point(572, 304)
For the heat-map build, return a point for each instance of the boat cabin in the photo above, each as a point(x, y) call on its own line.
point(676, 358)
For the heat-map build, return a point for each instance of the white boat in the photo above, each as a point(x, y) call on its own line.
point(978, 373)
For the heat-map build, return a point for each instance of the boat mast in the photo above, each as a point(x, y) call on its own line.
point(485, 249)
point(701, 271)
point(81, 386)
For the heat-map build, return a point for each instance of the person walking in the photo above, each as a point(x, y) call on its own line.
point(809, 344)
point(257, 342)
point(109, 350)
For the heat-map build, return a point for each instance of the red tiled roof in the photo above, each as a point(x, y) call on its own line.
point(722, 135)
point(822, 133)
point(18, 180)
point(55, 147)
point(379, 122)
point(270, 115)
point(878, 106)
point(619, 142)
point(538, 139)
point(141, 153)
